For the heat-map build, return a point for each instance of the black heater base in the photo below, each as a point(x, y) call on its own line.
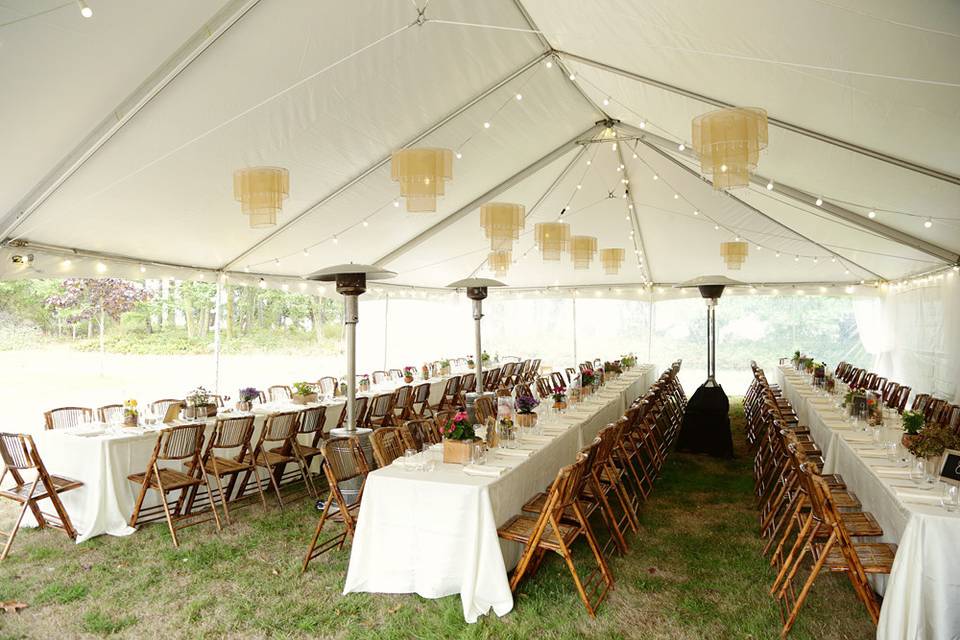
point(706, 424)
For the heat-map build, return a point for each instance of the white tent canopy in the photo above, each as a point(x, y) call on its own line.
point(862, 107)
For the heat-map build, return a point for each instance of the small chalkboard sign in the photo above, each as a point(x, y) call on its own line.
point(950, 471)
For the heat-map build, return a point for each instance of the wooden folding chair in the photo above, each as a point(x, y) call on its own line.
point(175, 444)
point(379, 377)
point(548, 532)
point(273, 450)
point(483, 408)
point(381, 411)
point(163, 408)
point(309, 426)
point(19, 454)
point(109, 412)
point(344, 461)
point(279, 393)
point(468, 384)
point(417, 434)
point(231, 438)
point(451, 394)
point(403, 403)
point(420, 403)
point(360, 407)
point(66, 417)
point(387, 443)
point(327, 385)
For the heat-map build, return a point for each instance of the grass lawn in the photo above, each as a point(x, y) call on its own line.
point(693, 571)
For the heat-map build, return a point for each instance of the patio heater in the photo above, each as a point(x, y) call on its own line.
point(476, 291)
point(351, 282)
point(706, 421)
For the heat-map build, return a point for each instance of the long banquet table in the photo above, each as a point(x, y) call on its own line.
point(102, 457)
point(922, 594)
point(434, 533)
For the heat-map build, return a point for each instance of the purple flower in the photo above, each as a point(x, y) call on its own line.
point(526, 404)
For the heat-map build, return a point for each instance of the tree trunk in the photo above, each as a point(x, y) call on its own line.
point(229, 293)
point(188, 316)
point(103, 348)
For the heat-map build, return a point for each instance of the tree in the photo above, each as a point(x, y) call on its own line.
point(86, 299)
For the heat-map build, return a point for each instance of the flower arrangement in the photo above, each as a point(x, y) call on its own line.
point(613, 367)
point(444, 365)
point(587, 377)
point(796, 358)
point(365, 382)
point(559, 395)
point(198, 397)
point(459, 427)
point(628, 361)
point(913, 422)
point(248, 394)
point(526, 404)
point(425, 372)
point(829, 382)
point(130, 413)
point(932, 441)
point(471, 362)
point(484, 357)
point(304, 388)
point(408, 373)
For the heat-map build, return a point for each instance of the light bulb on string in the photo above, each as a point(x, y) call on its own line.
point(85, 10)
point(306, 251)
point(572, 77)
point(770, 186)
point(459, 156)
point(519, 96)
point(819, 201)
point(681, 147)
point(872, 214)
point(927, 223)
point(366, 224)
point(549, 64)
point(396, 203)
point(486, 125)
point(606, 102)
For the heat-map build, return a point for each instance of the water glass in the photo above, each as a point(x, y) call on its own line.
point(409, 459)
point(479, 453)
point(875, 432)
point(919, 473)
point(892, 454)
point(950, 500)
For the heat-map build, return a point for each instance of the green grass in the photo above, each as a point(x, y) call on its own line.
point(694, 571)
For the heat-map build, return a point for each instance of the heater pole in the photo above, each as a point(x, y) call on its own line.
point(351, 316)
point(711, 343)
point(477, 315)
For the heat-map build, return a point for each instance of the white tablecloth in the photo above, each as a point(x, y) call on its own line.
point(922, 594)
point(435, 533)
point(104, 504)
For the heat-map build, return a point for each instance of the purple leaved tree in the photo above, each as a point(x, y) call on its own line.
point(85, 299)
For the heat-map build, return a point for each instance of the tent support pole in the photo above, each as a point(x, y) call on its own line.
point(386, 327)
point(217, 316)
point(783, 124)
point(573, 308)
point(513, 180)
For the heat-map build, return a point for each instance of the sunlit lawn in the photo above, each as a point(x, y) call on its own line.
point(694, 571)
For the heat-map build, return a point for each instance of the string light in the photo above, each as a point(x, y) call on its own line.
point(819, 201)
point(928, 223)
point(572, 77)
point(681, 147)
point(396, 203)
point(143, 269)
point(366, 224)
point(606, 102)
point(262, 283)
point(85, 10)
point(519, 96)
point(101, 268)
point(872, 214)
point(486, 125)
point(458, 155)
point(549, 64)
point(306, 251)
point(336, 240)
point(66, 263)
point(770, 186)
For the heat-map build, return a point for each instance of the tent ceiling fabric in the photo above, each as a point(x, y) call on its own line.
point(329, 90)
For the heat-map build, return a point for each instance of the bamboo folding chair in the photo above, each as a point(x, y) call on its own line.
point(387, 444)
point(450, 397)
point(468, 384)
point(557, 381)
point(66, 417)
point(421, 399)
point(834, 550)
point(279, 393)
point(309, 426)
point(403, 403)
point(174, 444)
point(603, 484)
point(543, 387)
point(484, 409)
point(491, 379)
point(381, 411)
point(417, 434)
point(109, 412)
point(20, 454)
point(396, 374)
point(548, 532)
point(344, 461)
point(164, 408)
point(327, 385)
point(379, 377)
point(273, 451)
point(360, 407)
point(231, 438)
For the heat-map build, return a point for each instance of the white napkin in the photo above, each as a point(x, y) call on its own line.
point(536, 439)
point(918, 495)
point(554, 431)
point(516, 453)
point(892, 472)
point(856, 438)
point(871, 453)
point(488, 470)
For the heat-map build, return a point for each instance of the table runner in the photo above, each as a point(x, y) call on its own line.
point(435, 533)
point(922, 593)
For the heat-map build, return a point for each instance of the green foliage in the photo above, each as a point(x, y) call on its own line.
point(304, 388)
point(912, 422)
point(103, 625)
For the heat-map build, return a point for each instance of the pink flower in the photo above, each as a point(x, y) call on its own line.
point(460, 416)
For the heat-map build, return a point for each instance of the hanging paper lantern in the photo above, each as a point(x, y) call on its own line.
point(499, 262)
point(503, 222)
point(261, 192)
point(734, 254)
point(729, 142)
point(583, 249)
point(422, 174)
point(552, 238)
point(612, 259)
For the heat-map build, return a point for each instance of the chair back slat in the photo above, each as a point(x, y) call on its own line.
point(279, 427)
point(15, 449)
point(109, 412)
point(66, 417)
point(312, 419)
point(229, 433)
point(327, 385)
point(387, 445)
point(178, 443)
point(279, 393)
point(344, 458)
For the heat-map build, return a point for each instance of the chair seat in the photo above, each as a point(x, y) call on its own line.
point(875, 557)
point(171, 479)
point(304, 450)
point(843, 499)
point(21, 493)
point(269, 458)
point(536, 503)
point(225, 466)
point(521, 528)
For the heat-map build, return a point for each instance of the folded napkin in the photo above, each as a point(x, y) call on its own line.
point(554, 431)
point(871, 453)
point(488, 470)
point(536, 439)
point(892, 472)
point(856, 438)
point(516, 453)
point(918, 495)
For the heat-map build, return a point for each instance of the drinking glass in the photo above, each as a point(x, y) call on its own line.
point(950, 500)
point(919, 473)
point(875, 432)
point(892, 454)
point(479, 453)
point(409, 459)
